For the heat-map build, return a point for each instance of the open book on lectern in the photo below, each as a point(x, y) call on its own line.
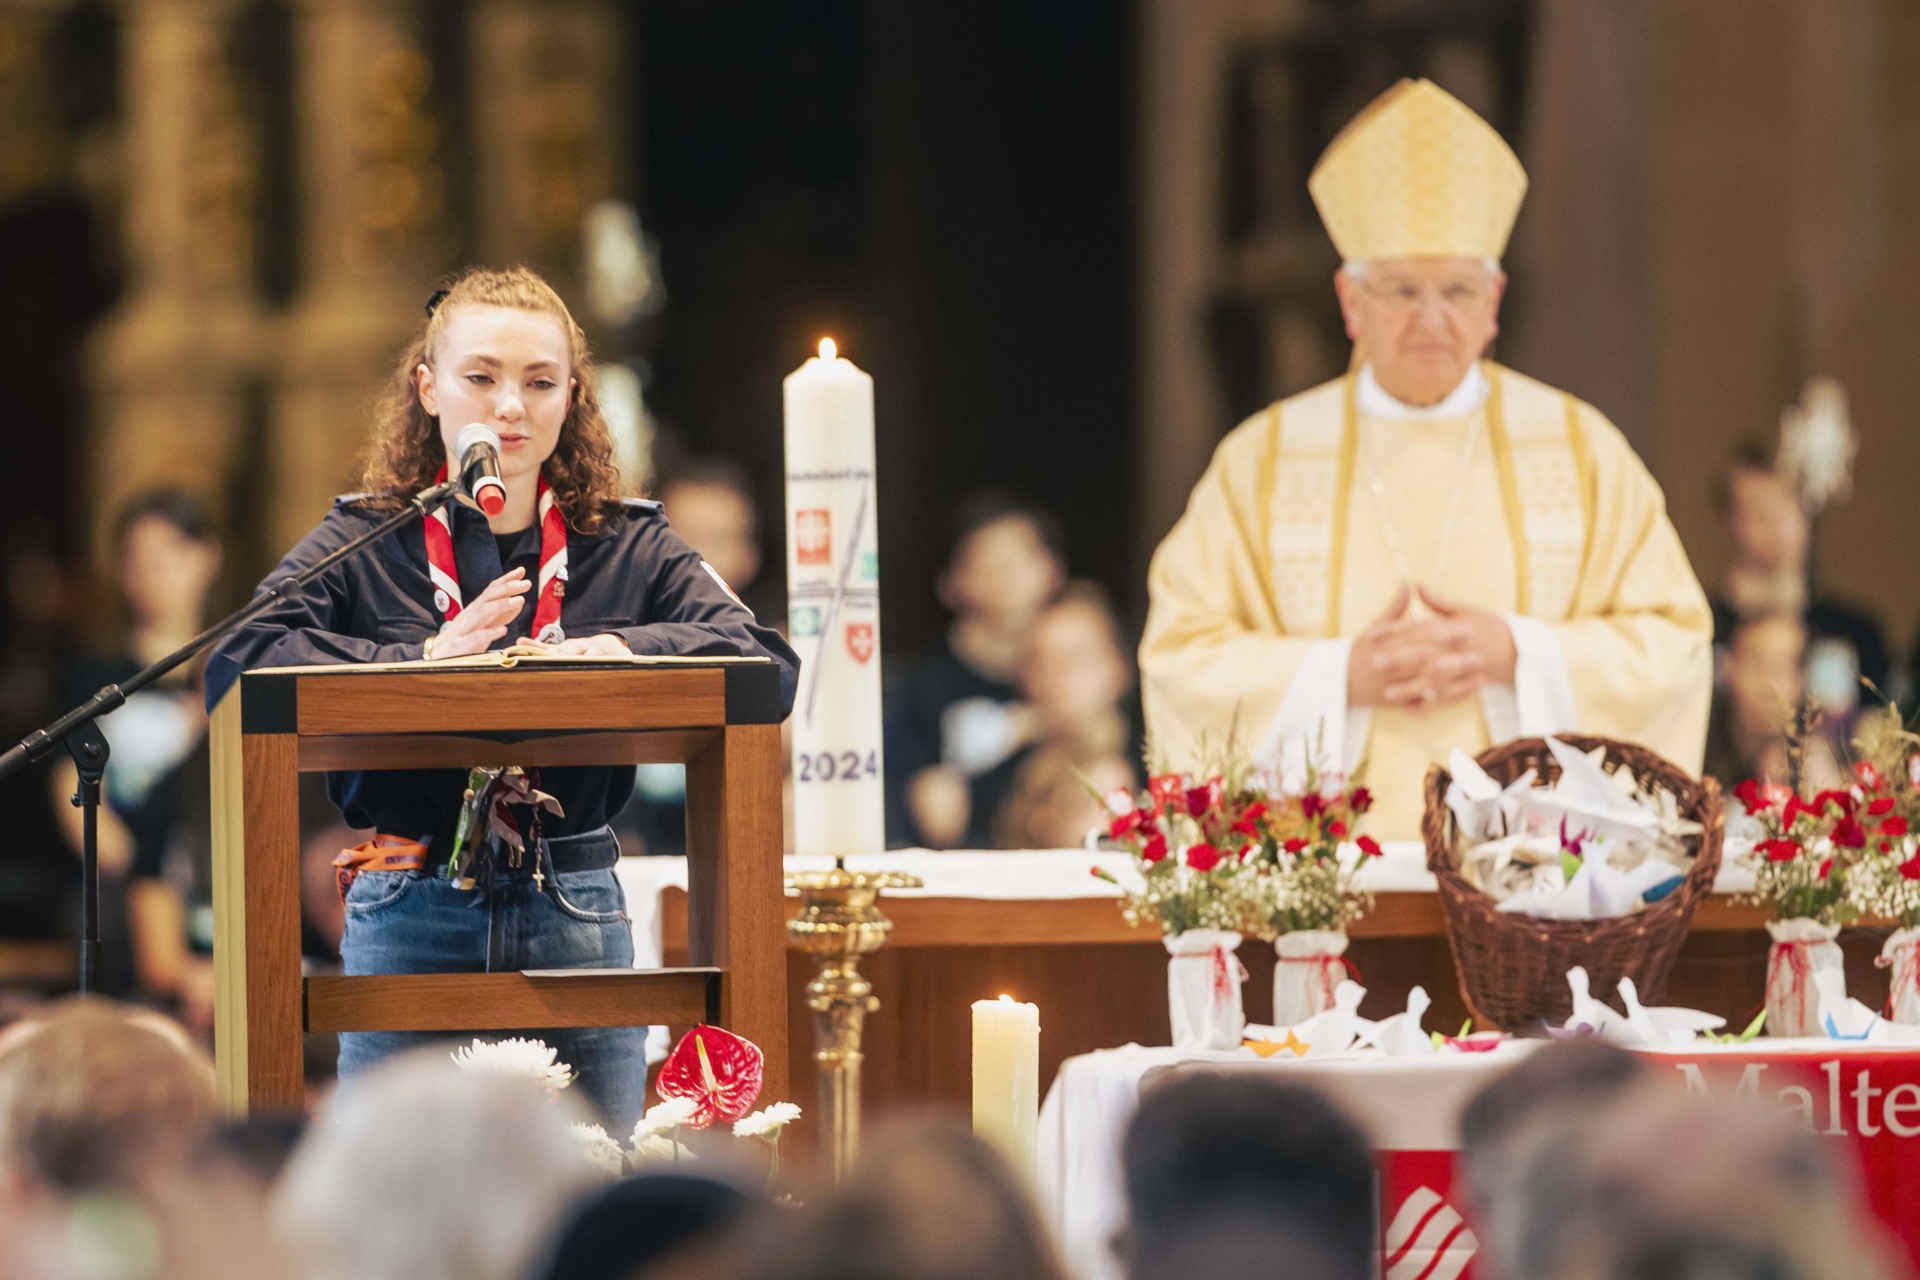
point(528, 656)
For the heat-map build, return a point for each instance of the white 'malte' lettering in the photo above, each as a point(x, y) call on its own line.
point(1863, 1096)
point(1748, 1088)
point(1902, 1097)
point(1831, 1068)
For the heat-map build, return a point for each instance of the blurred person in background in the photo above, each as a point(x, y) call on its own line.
point(165, 560)
point(957, 711)
point(1656, 1184)
point(1077, 676)
point(1235, 1153)
point(422, 1172)
point(926, 1201)
point(1762, 679)
point(1772, 573)
point(98, 1096)
point(709, 503)
point(635, 1223)
point(1556, 1078)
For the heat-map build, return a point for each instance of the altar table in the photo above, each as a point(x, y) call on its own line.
point(1866, 1098)
point(1038, 926)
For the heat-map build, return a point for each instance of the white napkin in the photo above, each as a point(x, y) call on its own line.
point(1481, 807)
point(1587, 799)
point(1664, 1024)
point(1597, 891)
point(1589, 1012)
point(1327, 1033)
point(1402, 1036)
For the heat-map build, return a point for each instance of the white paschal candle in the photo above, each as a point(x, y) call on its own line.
point(833, 608)
point(1006, 1078)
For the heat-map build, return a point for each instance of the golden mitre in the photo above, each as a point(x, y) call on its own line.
point(1418, 175)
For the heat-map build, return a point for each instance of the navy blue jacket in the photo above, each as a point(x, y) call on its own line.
point(635, 579)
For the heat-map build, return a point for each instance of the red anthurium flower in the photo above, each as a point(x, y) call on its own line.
point(1910, 869)
point(718, 1070)
point(1203, 857)
point(1748, 794)
point(1893, 825)
point(1795, 807)
point(1849, 834)
point(1154, 849)
point(1369, 846)
point(1125, 824)
point(1880, 805)
point(1869, 774)
point(1294, 845)
point(1780, 850)
point(1361, 800)
point(1250, 816)
point(1337, 828)
point(1166, 789)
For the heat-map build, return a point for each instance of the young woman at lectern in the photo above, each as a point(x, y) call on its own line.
point(566, 563)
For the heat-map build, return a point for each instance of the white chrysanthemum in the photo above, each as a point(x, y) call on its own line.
point(656, 1147)
point(600, 1149)
point(534, 1060)
point(767, 1122)
point(668, 1115)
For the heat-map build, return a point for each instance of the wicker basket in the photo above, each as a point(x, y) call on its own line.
point(1513, 968)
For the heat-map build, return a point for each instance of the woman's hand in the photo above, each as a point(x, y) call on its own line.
point(600, 646)
point(485, 619)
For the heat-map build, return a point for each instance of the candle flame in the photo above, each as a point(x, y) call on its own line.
point(827, 349)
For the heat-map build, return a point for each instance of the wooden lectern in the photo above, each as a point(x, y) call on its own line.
point(721, 718)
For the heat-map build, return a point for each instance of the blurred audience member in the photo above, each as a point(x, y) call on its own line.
point(634, 1223)
point(1226, 1152)
point(166, 556)
point(1555, 1079)
point(927, 1201)
point(96, 1095)
point(710, 504)
point(1653, 1184)
point(1762, 679)
point(1772, 573)
point(957, 711)
point(1077, 675)
point(419, 1172)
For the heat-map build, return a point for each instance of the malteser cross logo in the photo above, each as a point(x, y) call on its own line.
point(813, 536)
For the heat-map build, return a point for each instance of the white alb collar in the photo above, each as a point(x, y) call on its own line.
point(1372, 399)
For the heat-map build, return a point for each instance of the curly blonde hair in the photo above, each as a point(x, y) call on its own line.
point(406, 452)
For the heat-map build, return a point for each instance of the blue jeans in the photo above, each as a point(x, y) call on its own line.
point(415, 922)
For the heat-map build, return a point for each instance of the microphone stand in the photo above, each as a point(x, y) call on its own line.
point(79, 732)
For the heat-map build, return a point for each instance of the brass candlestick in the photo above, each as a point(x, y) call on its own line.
point(840, 921)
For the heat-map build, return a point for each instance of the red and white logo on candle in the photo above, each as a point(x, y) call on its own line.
point(813, 536)
point(860, 641)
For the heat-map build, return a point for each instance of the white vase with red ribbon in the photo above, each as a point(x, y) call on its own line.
point(1310, 964)
point(1203, 989)
point(1801, 946)
point(1901, 954)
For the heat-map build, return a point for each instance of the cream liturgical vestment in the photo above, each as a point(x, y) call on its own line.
point(1283, 555)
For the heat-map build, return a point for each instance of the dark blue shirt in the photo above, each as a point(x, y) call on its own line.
point(635, 579)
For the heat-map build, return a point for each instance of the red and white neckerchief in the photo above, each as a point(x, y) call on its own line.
point(549, 589)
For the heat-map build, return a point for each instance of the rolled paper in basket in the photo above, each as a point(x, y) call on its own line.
point(1800, 946)
point(1310, 965)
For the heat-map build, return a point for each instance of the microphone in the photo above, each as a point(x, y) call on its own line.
point(478, 447)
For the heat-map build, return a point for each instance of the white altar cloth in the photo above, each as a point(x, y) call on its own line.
point(1404, 1104)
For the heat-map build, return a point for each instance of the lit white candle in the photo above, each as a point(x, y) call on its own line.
point(833, 607)
point(1006, 1078)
